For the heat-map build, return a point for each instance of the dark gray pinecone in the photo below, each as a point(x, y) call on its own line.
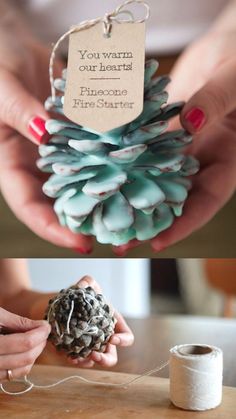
point(81, 321)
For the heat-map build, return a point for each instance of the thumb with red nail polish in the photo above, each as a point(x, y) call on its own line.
point(215, 100)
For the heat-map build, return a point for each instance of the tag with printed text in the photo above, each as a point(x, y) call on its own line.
point(105, 76)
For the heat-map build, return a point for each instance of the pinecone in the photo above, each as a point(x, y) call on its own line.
point(81, 321)
point(124, 184)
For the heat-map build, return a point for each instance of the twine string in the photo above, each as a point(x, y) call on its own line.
point(30, 385)
point(195, 377)
point(107, 20)
point(69, 317)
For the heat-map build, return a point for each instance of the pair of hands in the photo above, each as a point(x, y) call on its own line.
point(20, 349)
point(204, 76)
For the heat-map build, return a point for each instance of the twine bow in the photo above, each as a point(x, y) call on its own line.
point(108, 19)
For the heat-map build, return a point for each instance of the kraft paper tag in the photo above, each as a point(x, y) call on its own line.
point(105, 76)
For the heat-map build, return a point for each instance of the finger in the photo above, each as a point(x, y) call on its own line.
point(17, 373)
point(106, 359)
point(193, 218)
point(213, 101)
point(123, 250)
point(23, 342)
point(36, 211)
point(209, 194)
point(12, 321)
point(122, 339)
point(87, 281)
point(20, 110)
point(184, 70)
point(123, 334)
point(21, 360)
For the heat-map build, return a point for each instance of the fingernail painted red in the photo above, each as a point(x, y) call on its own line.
point(37, 128)
point(83, 251)
point(158, 248)
point(119, 252)
point(196, 118)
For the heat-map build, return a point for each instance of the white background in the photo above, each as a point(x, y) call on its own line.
point(125, 282)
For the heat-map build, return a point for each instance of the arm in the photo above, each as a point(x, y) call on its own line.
point(15, 290)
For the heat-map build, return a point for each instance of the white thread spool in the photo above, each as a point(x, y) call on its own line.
point(196, 374)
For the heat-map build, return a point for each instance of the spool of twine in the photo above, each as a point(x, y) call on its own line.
point(196, 374)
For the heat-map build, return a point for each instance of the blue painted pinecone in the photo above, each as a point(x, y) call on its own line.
point(125, 184)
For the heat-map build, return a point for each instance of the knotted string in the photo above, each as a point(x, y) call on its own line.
point(30, 385)
point(107, 20)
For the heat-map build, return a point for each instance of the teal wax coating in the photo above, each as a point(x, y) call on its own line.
point(129, 183)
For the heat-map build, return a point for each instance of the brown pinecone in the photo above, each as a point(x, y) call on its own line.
point(81, 321)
